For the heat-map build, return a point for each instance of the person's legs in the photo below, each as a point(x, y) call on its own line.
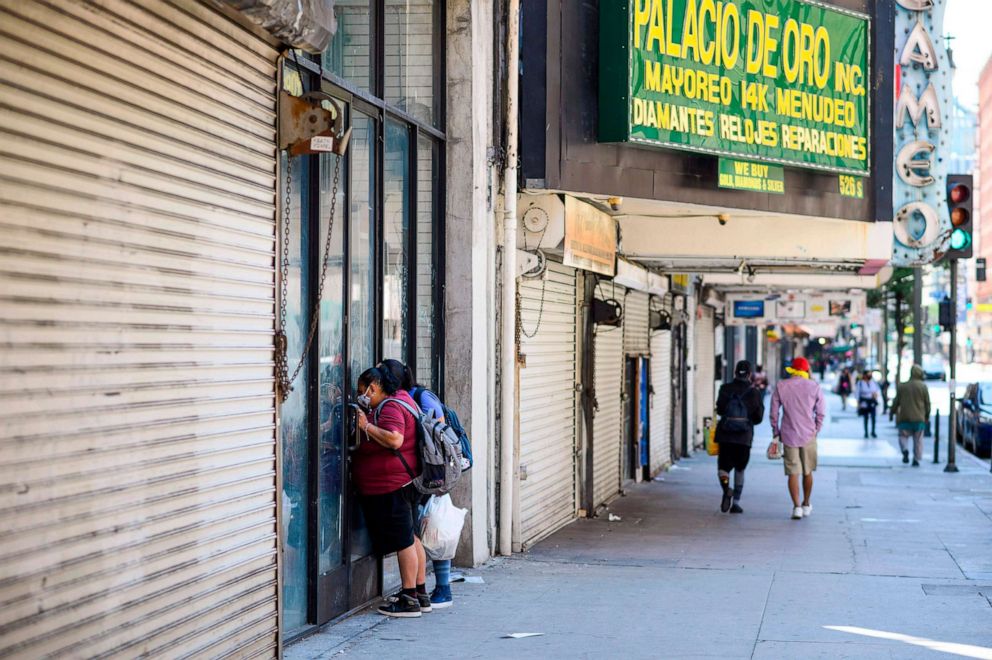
point(794, 489)
point(421, 564)
point(724, 465)
point(864, 417)
point(807, 488)
point(904, 444)
point(872, 413)
point(917, 446)
point(409, 567)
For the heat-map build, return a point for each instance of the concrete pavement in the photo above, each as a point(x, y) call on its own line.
point(895, 562)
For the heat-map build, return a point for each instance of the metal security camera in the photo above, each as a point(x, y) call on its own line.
point(723, 219)
point(616, 203)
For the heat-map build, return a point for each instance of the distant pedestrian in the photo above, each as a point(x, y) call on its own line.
point(740, 406)
point(912, 410)
point(759, 380)
point(822, 365)
point(803, 409)
point(867, 393)
point(843, 387)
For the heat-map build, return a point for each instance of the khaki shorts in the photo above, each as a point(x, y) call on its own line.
point(800, 460)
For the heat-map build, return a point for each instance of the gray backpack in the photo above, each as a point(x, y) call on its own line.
point(439, 449)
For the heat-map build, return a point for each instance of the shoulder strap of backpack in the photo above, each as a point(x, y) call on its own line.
point(416, 416)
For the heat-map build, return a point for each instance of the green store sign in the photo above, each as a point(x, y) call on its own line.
point(779, 81)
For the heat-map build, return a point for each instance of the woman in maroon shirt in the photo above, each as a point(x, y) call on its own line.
point(389, 499)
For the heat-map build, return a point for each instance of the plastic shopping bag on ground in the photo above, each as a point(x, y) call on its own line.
point(441, 526)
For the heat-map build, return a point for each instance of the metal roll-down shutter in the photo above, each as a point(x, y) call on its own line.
point(635, 323)
point(704, 339)
point(660, 442)
point(607, 419)
point(137, 419)
point(547, 403)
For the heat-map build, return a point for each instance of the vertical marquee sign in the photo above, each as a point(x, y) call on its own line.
point(779, 81)
point(922, 225)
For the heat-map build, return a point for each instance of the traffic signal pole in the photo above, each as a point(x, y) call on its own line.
point(952, 437)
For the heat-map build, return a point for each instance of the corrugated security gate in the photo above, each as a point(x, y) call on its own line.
point(660, 442)
point(704, 338)
point(635, 323)
point(137, 471)
point(607, 443)
point(547, 402)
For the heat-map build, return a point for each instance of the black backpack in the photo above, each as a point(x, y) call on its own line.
point(736, 419)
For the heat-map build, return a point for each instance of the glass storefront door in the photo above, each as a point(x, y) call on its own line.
point(381, 294)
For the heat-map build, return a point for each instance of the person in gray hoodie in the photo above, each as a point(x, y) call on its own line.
point(912, 410)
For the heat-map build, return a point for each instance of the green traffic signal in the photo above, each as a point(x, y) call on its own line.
point(960, 239)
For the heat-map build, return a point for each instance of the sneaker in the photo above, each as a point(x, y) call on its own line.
point(905, 456)
point(807, 509)
point(425, 603)
point(874, 435)
point(400, 606)
point(736, 508)
point(916, 463)
point(441, 597)
point(797, 513)
point(725, 502)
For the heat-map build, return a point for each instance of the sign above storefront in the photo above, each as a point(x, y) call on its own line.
point(757, 177)
point(786, 84)
point(820, 308)
point(590, 238)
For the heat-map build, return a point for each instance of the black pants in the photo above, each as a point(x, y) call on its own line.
point(733, 457)
point(869, 414)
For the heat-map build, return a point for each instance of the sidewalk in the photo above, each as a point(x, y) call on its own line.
point(900, 558)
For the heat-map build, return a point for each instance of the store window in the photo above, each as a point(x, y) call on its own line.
point(380, 296)
point(409, 53)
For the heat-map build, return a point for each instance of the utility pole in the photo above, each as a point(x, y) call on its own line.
point(918, 315)
point(952, 437)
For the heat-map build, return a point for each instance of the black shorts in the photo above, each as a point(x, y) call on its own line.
point(391, 519)
point(733, 457)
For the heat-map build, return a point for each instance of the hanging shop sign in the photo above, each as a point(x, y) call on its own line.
point(922, 224)
point(757, 177)
point(779, 81)
point(820, 308)
point(590, 238)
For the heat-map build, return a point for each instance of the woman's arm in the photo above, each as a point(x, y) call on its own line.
point(388, 439)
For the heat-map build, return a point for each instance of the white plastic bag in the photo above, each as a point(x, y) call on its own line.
point(440, 527)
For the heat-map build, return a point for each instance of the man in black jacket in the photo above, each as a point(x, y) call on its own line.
point(740, 407)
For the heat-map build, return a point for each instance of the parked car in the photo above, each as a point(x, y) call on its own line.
point(934, 367)
point(975, 419)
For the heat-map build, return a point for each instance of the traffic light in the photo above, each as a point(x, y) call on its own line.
point(959, 202)
point(980, 269)
point(945, 316)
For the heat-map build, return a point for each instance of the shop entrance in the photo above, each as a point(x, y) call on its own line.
point(635, 422)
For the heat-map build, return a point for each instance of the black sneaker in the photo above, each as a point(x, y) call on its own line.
point(400, 606)
point(425, 603)
point(736, 508)
point(905, 456)
point(916, 463)
point(727, 498)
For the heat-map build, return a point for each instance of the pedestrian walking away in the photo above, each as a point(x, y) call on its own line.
point(802, 407)
point(740, 406)
point(912, 410)
point(867, 392)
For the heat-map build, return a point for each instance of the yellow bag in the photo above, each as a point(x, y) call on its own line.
point(712, 447)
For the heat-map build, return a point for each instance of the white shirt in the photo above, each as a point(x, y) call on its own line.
point(867, 389)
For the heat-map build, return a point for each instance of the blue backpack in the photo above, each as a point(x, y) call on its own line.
point(451, 419)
